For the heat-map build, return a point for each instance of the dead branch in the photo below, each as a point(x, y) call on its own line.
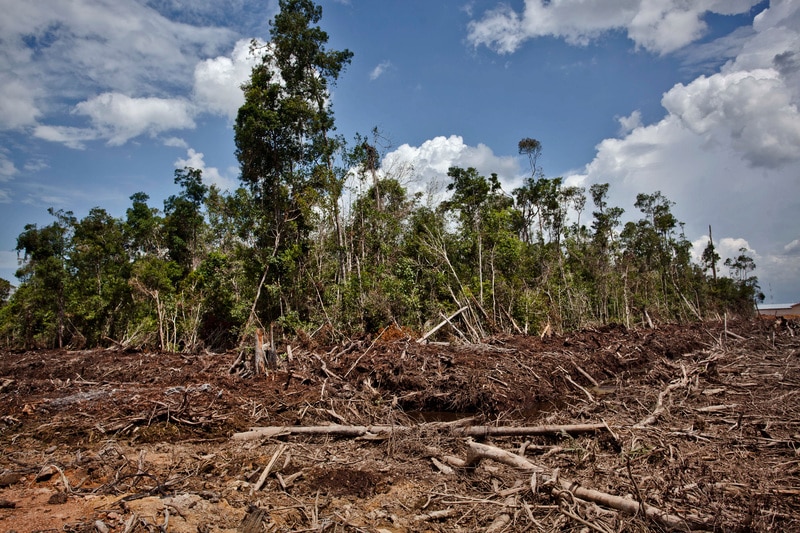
point(585, 374)
point(478, 451)
point(268, 469)
point(469, 431)
point(441, 324)
point(436, 515)
point(360, 357)
point(586, 392)
point(659, 409)
point(502, 521)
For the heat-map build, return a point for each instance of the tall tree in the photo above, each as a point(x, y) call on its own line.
point(474, 197)
point(99, 270)
point(184, 220)
point(283, 131)
point(142, 227)
point(710, 257)
point(606, 220)
point(44, 253)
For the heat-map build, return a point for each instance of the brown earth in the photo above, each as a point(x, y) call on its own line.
point(120, 441)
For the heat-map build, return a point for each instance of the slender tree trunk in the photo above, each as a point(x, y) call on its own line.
point(713, 263)
point(480, 268)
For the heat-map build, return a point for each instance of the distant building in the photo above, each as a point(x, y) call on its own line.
point(779, 309)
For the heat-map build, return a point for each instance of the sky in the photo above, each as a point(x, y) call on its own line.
point(100, 99)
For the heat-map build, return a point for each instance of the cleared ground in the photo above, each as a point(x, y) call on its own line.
point(700, 421)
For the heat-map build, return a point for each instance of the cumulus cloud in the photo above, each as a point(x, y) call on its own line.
point(379, 70)
point(630, 123)
point(118, 117)
point(753, 108)
point(727, 151)
point(116, 50)
point(17, 105)
point(211, 175)
point(119, 46)
point(176, 142)
point(426, 165)
point(660, 27)
point(218, 81)
point(726, 247)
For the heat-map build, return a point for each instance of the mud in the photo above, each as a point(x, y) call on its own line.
point(131, 441)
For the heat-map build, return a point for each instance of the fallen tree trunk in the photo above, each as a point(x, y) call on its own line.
point(478, 451)
point(447, 320)
point(468, 431)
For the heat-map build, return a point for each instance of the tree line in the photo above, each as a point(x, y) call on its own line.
point(290, 249)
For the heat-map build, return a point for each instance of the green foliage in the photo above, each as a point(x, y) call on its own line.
point(99, 295)
point(285, 146)
point(183, 219)
point(44, 274)
point(291, 248)
point(142, 227)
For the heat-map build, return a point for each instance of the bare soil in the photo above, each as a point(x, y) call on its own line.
point(702, 421)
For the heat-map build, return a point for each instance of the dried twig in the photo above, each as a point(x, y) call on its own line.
point(478, 451)
point(660, 409)
point(468, 431)
point(268, 468)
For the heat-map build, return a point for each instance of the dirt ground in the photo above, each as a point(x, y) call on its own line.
point(700, 421)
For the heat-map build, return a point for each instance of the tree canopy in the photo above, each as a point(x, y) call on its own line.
point(290, 249)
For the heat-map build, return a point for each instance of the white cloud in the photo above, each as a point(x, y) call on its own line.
point(659, 26)
point(217, 81)
point(70, 136)
point(708, 56)
point(428, 163)
point(35, 165)
point(211, 175)
point(119, 45)
point(17, 106)
point(7, 168)
point(726, 247)
point(118, 117)
point(630, 123)
point(726, 151)
point(730, 247)
point(176, 142)
point(68, 50)
point(379, 70)
point(793, 248)
point(754, 108)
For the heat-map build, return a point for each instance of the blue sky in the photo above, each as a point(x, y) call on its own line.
point(100, 99)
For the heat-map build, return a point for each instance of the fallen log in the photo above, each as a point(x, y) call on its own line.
point(468, 431)
point(522, 431)
point(478, 451)
point(447, 320)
